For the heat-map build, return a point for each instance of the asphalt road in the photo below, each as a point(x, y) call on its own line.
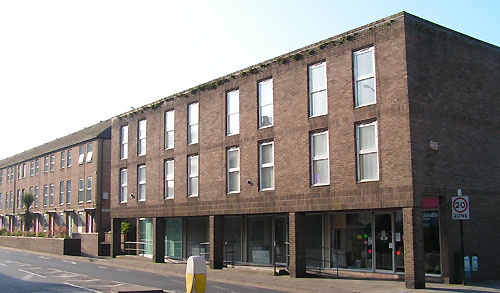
point(31, 272)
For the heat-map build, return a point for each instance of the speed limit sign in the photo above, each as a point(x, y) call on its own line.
point(460, 207)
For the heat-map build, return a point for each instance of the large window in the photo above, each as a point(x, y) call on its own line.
point(61, 192)
point(141, 138)
point(124, 142)
point(367, 151)
point(68, 192)
point(173, 237)
point(233, 170)
point(51, 198)
point(169, 178)
point(193, 174)
point(169, 129)
point(317, 90)
point(320, 168)
point(70, 158)
point(193, 119)
point(266, 164)
point(63, 160)
point(88, 195)
point(233, 112)
point(141, 183)
point(364, 77)
point(89, 152)
point(81, 154)
point(123, 185)
point(266, 103)
point(80, 190)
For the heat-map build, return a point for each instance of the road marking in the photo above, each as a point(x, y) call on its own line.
point(31, 273)
point(93, 280)
point(76, 286)
point(103, 267)
point(1, 264)
point(68, 261)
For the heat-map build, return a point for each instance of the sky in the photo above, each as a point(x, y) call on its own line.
point(66, 65)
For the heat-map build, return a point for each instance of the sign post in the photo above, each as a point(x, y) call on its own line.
point(460, 211)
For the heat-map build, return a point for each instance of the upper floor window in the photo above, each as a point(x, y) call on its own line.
point(32, 168)
point(141, 183)
point(0, 200)
point(318, 104)
point(123, 185)
point(141, 136)
point(193, 118)
point(37, 166)
point(124, 142)
point(61, 192)
point(69, 161)
point(45, 164)
point(266, 166)
point(367, 151)
point(68, 192)
point(63, 160)
point(193, 175)
point(169, 178)
point(52, 163)
point(364, 77)
point(18, 199)
point(89, 152)
point(81, 154)
point(88, 194)
point(169, 129)
point(24, 170)
point(80, 190)
point(19, 171)
point(233, 112)
point(45, 193)
point(51, 194)
point(7, 179)
point(320, 166)
point(1, 176)
point(233, 170)
point(265, 103)
point(36, 196)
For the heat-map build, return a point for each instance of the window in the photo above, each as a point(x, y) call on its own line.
point(320, 167)
point(79, 222)
point(70, 158)
point(36, 196)
point(193, 175)
point(124, 142)
point(37, 167)
point(1, 176)
point(81, 156)
point(45, 190)
point(364, 77)
point(52, 163)
point(90, 222)
point(141, 143)
point(141, 186)
point(88, 195)
point(8, 176)
point(123, 185)
point(266, 163)
point(32, 168)
point(61, 219)
point(63, 160)
point(68, 192)
point(169, 129)
point(19, 171)
point(367, 151)
point(233, 170)
point(0, 200)
point(317, 90)
point(265, 103)
point(45, 164)
point(18, 199)
point(12, 173)
point(80, 190)
point(22, 196)
point(6, 200)
point(51, 191)
point(233, 112)
point(169, 179)
point(61, 192)
point(24, 170)
point(193, 118)
point(89, 152)
point(10, 200)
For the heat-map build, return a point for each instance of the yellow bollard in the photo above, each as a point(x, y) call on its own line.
point(196, 271)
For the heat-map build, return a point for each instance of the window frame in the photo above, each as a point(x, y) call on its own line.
point(24, 170)
point(51, 194)
point(357, 78)
point(267, 165)
point(52, 163)
point(32, 169)
point(141, 137)
point(315, 158)
point(62, 160)
point(124, 142)
point(141, 183)
point(232, 170)
point(312, 91)
point(81, 187)
point(89, 153)
point(62, 191)
point(167, 179)
point(45, 194)
point(360, 152)
point(259, 84)
point(192, 176)
point(88, 189)
point(231, 97)
point(69, 160)
point(192, 124)
point(169, 129)
point(36, 191)
point(81, 154)
point(123, 184)
point(68, 192)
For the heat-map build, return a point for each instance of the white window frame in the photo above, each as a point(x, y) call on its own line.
point(63, 160)
point(88, 189)
point(68, 192)
point(232, 97)
point(37, 167)
point(62, 191)
point(232, 170)
point(141, 137)
point(360, 152)
point(266, 165)
point(45, 195)
point(51, 194)
point(24, 170)
point(192, 176)
point(36, 196)
point(169, 178)
point(141, 182)
point(123, 185)
point(81, 188)
point(315, 157)
point(169, 129)
point(193, 124)
point(69, 160)
point(364, 77)
point(89, 152)
point(81, 154)
point(32, 168)
point(124, 142)
point(313, 91)
point(52, 163)
point(261, 105)
point(19, 171)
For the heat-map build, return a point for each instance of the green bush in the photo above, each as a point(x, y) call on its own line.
point(4, 232)
point(125, 227)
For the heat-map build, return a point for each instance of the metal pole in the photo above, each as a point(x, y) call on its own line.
point(462, 252)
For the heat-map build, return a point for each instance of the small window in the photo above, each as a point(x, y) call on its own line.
point(193, 175)
point(61, 193)
point(193, 118)
point(141, 143)
point(169, 129)
point(233, 170)
point(89, 152)
point(169, 179)
point(233, 112)
point(320, 166)
point(89, 189)
point(367, 152)
point(141, 186)
point(124, 142)
point(52, 163)
point(266, 163)
point(318, 104)
point(68, 192)
point(51, 195)
point(364, 77)
point(32, 168)
point(81, 154)
point(80, 190)
point(123, 185)
point(63, 160)
point(266, 103)
point(70, 158)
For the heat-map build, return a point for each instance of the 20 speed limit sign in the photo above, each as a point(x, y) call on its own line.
point(460, 207)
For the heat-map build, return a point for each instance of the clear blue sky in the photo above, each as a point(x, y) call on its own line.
point(65, 65)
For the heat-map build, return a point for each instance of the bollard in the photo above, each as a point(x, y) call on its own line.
point(196, 271)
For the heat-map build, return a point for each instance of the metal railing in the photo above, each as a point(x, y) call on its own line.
point(323, 261)
point(278, 253)
point(226, 252)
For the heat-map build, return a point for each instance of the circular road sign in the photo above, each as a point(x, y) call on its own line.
point(460, 205)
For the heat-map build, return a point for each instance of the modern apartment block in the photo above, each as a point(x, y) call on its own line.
point(69, 179)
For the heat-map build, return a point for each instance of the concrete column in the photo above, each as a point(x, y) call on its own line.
point(414, 248)
point(216, 234)
point(297, 248)
point(116, 232)
point(159, 240)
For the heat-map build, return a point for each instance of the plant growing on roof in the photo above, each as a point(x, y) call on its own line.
point(27, 217)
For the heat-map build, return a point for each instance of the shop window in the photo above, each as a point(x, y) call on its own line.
point(232, 239)
point(259, 239)
point(197, 236)
point(173, 237)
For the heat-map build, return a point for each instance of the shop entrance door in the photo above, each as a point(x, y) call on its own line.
point(383, 242)
point(281, 238)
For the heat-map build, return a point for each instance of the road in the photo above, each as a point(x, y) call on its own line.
point(31, 272)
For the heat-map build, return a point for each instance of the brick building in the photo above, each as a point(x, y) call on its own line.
point(69, 179)
point(342, 154)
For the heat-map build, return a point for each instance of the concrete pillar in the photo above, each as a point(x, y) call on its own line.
point(159, 240)
point(414, 248)
point(116, 233)
point(216, 235)
point(297, 248)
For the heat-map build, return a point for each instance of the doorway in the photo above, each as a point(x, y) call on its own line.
point(383, 242)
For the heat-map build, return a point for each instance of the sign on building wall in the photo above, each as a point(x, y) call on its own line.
point(460, 207)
